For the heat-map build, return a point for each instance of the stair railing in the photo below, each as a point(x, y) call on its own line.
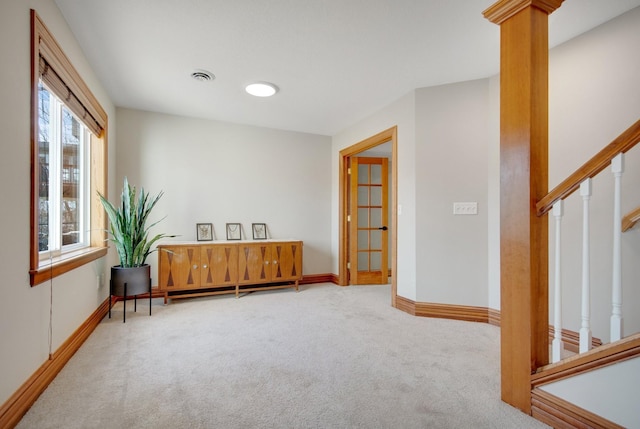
point(612, 155)
point(630, 219)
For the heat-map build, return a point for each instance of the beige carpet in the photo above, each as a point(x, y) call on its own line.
point(326, 357)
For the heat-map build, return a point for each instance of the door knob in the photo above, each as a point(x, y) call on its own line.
point(384, 228)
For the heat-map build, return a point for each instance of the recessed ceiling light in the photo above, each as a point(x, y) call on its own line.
point(202, 75)
point(261, 89)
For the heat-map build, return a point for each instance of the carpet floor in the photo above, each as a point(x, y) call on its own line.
point(326, 357)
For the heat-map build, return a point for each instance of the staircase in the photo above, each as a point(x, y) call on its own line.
point(564, 392)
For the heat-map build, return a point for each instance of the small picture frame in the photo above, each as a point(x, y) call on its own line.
point(234, 231)
point(204, 231)
point(259, 231)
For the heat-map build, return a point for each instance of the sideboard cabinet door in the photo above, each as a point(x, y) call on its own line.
point(219, 265)
point(254, 263)
point(286, 261)
point(179, 267)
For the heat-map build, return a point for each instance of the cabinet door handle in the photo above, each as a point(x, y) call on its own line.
point(204, 266)
point(275, 262)
point(266, 262)
point(195, 267)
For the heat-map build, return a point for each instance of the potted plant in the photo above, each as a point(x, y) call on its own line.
point(130, 234)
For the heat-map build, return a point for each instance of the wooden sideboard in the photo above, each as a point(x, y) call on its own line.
point(213, 268)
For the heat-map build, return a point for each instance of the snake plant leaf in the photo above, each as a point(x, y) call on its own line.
point(128, 229)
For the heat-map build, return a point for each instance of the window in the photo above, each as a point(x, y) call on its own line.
point(69, 144)
point(63, 157)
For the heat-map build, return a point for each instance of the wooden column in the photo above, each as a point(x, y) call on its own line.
point(524, 309)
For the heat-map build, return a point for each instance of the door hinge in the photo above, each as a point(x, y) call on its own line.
point(348, 265)
point(348, 218)
point(349, 170)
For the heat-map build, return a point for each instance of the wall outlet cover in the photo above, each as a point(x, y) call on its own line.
point(468, 208)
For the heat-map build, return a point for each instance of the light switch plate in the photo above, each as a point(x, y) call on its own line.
point(469, 208)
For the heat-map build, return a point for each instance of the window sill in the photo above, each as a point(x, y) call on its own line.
point(62, 264)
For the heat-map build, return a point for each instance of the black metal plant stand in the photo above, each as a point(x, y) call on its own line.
point(124, 300)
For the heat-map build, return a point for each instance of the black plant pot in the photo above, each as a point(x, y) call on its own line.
point(137, 279)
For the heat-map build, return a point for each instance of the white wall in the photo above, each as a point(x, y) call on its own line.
point(24, 310)
point(400, 113)
point(218, 172)
point(452, 124)
point(493, 194)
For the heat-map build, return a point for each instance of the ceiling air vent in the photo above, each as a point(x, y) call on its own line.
point(202, 75)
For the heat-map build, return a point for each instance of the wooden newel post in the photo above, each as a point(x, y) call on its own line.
point(524, 308)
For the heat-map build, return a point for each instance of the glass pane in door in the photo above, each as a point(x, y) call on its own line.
point(363, 240)
point(363, 261)
point(376, 174)
point(375, 264)
point(376, 218)
point(376, 195)
point(363, 218)
point(376, 240)
point(363, 195)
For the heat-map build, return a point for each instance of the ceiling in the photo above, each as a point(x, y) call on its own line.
point(335, 61)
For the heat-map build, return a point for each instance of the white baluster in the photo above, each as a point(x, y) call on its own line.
point(585, 329)
point(617, 168)
point(557, 345)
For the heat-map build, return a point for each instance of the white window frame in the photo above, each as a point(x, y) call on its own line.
point(56, 248)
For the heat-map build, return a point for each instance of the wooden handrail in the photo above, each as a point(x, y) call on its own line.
point(607, 354)
point(630, 219)
point(625, 141)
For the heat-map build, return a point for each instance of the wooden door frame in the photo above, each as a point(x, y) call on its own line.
point(382, 137)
